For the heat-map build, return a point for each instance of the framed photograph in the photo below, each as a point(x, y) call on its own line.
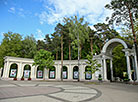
point(40, 74)
point(76, 74)
point(13, 73)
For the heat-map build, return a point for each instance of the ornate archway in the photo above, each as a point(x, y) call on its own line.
point(106, 53)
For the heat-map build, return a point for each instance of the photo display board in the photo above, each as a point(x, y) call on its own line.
point(26, 73)
point(76, 74)
point(88, 75)
point(13, 73)
point(40, 74)
point(64, 74)
point(52, 74)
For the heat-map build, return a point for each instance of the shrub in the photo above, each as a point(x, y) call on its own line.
point(22, 78)
point(15, 78)
point(100, 77)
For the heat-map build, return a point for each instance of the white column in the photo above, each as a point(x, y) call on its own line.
point(33, 72)
point(82, 74)
point(45, 72)
point(111, 68)
point(70, 73)
point(58, 72)
point(136, 67)
point(22, 70)
point(7, 70)
point(4, 70)
point(128, 68)
point(19, 70)
point(105, 69)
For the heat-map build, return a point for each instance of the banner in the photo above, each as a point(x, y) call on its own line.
point(26, 73)
point(64, 74)
point(76, 74)
point(40, 74)
point(52, 74)
point(88, 75)
point(13, 73)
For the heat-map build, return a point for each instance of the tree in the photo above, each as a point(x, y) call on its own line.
point(125, 12)
point(43, 59)
point(40, 45)
point(29, 47)
point(104, 32)
point(60, 30)
point(119, 56)
point(10, 46)
point(77, 29)
point(55, 43)
point(91, 37)
point(92, 64)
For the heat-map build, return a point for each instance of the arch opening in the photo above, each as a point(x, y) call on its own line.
point(39, 73)
point(52, 72)
point(27, 71)
point(13, 70)
point(110, 52)
point(75, 72)
point(65, 72)
point(88, 73)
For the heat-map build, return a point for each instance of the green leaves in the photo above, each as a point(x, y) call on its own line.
point(77, 27)
point(43, 59)
point(92, 65)
point(121, 9)
point(10, 46)
point(29, 47)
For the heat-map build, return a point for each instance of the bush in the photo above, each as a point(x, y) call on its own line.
point(126, 79)
point(15, 78)
point(29, 78)
point(100, 77)
point(22, 78)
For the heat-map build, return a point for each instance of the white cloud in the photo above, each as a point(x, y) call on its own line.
point(92, 10)
point(12, 10)
point(39, 35)
point(1, 34)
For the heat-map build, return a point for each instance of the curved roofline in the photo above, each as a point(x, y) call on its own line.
point(113, 41)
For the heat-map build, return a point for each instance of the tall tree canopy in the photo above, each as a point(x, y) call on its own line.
point(125, 12)
point(29, 47)
point(10, 46)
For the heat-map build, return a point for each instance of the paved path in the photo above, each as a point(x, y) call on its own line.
point(46, 92)
point(41, 91)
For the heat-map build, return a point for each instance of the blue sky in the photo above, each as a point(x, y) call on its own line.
point(39, 17)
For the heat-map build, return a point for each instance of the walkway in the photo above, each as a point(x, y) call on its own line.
point(41, 91)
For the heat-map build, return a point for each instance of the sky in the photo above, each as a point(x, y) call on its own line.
point(39, 17)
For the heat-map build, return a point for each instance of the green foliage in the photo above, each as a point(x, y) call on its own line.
point(119, 61)
point(77, 27)
point(43, 59)
point(29, 47)
point(121, 11)
point(41, 45)
point(126, 79)
point(10, 46)
point(100, 77)
point(93, 64)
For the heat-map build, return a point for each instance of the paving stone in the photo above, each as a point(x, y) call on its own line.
point(40, 98)
point(72, 96)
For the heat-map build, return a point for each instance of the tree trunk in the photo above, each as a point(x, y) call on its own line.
point(80, 50)
point(61, 57)
point(57, 55)
point(133, 31)
point(134, 37)
point(69, 50)
point(91, 44)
